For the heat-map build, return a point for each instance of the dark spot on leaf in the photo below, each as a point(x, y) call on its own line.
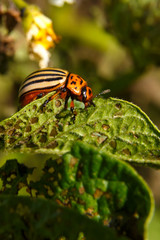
point(98, 193)
point(52, 145)
point(17, 124)
point(73, 161)
point(58, 103)
point(81, 190)
point(2, 144)
point(34, 107)
point(126, 152)
point(49, 110)
point(2, 129)
point(43, 138)
point(53, 133)
point(118, 106)
point(12, 140)
point(136, 136)
point(31, 145)
point(34, 120)
point(28, 128)
point(9, 124)
point(59, 161)
point(105, 126)
point(113, 143)
point(18, 134)
point(11, 132)
point(118, 114)
point(60, 127)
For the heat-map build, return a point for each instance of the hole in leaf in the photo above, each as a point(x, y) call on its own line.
point(126, 152)
point(34, 107)
point(102, 139)
point(58, 103)
point(118, 106)
point(105, 127)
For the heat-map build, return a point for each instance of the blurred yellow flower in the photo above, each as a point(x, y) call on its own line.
point(40, 35)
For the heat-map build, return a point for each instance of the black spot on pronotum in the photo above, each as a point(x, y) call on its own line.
point(90, 91)
point(81, 81)
point(73, 82)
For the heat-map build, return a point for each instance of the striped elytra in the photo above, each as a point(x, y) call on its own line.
point(46, 80)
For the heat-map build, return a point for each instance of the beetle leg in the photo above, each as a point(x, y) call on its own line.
point(49, 99)
point(72, 106)
point(66, 102)
point(92, 103)
point(45, 103)
point(89, 103)
point(38, 96)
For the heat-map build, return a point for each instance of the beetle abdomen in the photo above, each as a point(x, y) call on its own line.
point(44, 80)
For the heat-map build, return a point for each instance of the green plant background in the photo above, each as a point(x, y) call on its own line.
point(111, 44)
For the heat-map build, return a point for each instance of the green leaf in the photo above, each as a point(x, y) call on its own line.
point(94, 184)
point(39, 219)
point(115, 126)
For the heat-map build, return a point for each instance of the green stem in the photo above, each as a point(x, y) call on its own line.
point(20, 3)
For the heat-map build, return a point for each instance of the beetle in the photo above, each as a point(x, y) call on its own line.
point(46, 80)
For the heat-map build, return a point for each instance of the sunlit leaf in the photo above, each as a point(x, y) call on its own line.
point(113, 125)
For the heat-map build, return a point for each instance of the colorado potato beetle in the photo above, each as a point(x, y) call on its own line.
point(46, 80)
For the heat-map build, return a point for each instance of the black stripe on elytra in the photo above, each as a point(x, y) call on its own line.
point(67, 78)
point(42, 75)
point(47, 70)
point(37, 89)
point(38, 81)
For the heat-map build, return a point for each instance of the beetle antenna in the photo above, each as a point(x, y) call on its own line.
point(103, 92)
